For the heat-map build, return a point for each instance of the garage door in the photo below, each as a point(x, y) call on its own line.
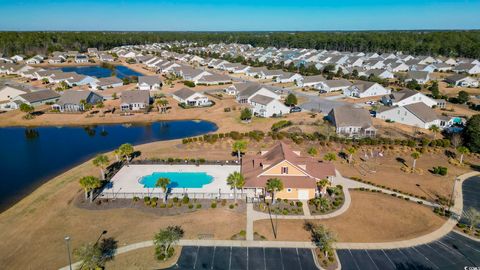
point(303, 194)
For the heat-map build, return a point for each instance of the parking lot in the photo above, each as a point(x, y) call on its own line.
point(471, 193)
point(453, 251)
point(237, 258)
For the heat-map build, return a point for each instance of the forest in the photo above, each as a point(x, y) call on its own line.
point(445, 43)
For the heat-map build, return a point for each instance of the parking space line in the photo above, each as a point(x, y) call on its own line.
point(425, 257)
point(264, 260)
point(281, 258)
point(213, 256)
point(230, 259)
point(298, 259)
point(386, 255)
point(450, 249)
point(196, 256)
point(366, 251)
point(353, 258)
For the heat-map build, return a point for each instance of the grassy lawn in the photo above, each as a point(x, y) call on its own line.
point(371, 217)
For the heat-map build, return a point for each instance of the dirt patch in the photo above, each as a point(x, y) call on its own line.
point(370, 218)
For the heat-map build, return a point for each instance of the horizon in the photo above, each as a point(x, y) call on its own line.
point(247, 16)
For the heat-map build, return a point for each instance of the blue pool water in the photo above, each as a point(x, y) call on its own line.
point(178, 179)
point(100, 72)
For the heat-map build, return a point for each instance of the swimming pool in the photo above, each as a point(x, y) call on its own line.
point(177, 179)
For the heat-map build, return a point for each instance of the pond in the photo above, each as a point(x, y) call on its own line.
point(101, 72)
point(30, 156)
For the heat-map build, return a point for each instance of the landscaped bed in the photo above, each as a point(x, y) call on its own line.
point(156, 205)
point(329, 202)
point(280, 207)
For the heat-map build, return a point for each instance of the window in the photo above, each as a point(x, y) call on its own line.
point(284, 170)
point(289, 190)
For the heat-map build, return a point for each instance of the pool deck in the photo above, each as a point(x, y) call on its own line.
point(127, 179)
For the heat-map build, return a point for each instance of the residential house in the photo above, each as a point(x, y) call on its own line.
point(75, 100)
point(333, 85)
point(134, 100)
point(234, 89)
point(92, 52)
point(38, 97)
point(422, 77)
point(406, 97)
point(270, 74)
point(214, 79)
point(106, 57)
point(8, 94)
point(104, 83)
point(462, 80)
point(149, 83)
point(191, 98)
point(18, 58)
point(81, 58)
point(363, 89)
point(245, 95)
point(267, 106)
point(310, 81)
point(467, 68)
point(288, 77)
point(352, 122)
point(379, 73)
point(415, 114)
point(299, 174)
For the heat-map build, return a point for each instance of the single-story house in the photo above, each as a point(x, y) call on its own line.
point(405, 97)
point(266, 106)
point(415, 114)
point(467, 68)
point(134, 100)
point(380, 73)
point(421, 77)
point(310, 81)
point(362, 89)
point(214, 79)
point(333, 85)
point(81, 58)
point(149, 83)
point(288, 77)
point(191, 98)
point(38, 97)
point(298, 173)
point(104, 83)
point(75, 100)
point(352, 122)
point(462, 80)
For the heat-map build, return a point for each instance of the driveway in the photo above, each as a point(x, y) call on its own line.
point(238, 258)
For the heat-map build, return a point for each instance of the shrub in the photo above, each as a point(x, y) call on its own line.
point(170, 205)
point(175, 200)
point(136, 199)
point(299, 204)
point(213, 205)
point(231, 206)
point(281, 124)
point(190, 206)
point(285, 211)
point(189, 83)
point(153, 204)
point(185, 199)
point(198, 206)
point(162, 205)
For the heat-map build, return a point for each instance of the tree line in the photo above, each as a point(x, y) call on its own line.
point(446, 43)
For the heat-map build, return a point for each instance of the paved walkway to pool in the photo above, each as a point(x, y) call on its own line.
point(127, 179)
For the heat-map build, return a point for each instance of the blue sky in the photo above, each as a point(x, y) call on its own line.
point(246, 15)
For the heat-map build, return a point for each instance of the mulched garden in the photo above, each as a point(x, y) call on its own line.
point(329, 202)
point(280, 207)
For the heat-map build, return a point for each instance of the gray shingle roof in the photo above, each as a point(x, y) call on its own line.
point(348, 115)
point(40, 95)
point(261, 99)
point(135, 96)
point(150, 80)
point(184, 93)
point(422, 111)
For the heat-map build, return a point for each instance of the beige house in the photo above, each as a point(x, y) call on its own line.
point(299, 174)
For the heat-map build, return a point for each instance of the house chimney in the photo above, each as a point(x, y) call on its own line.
point(253, 163)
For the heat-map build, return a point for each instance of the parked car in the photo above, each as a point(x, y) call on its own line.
point(371, 103)
point(295, 109)
point(373, 113)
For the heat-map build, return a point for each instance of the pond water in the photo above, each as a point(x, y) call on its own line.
point(30, 156)
point(101, 72)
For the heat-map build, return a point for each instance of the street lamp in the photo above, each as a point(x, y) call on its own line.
point(67, 241)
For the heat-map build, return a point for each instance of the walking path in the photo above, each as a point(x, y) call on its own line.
point(251, 214)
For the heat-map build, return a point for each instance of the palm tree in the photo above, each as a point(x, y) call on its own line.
point(164, 240)
point(236, 181)
point(163, 183)
point(351, 151)
point(415, 155)
point(473, 217)
point(463, 151)
point(89, 184)
point(102, 162)
point(272, 186)
point(330, 157)
point(90, 255)
point(125, 151)
point(434, 129)
point(323, 183)
point(161, 104)
point(239, 147)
